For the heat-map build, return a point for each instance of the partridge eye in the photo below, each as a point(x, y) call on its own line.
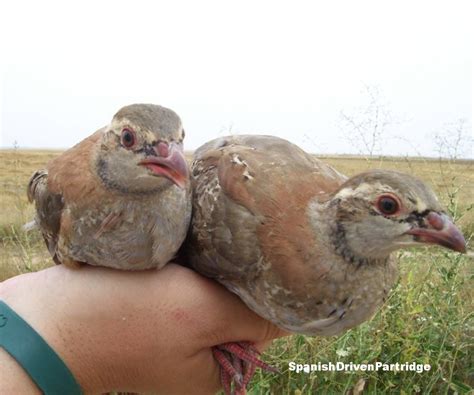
point(388, 205)
point(128, 138)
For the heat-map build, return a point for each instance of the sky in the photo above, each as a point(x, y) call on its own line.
point(291, 69)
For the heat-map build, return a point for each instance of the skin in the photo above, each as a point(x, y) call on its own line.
point(131, 331)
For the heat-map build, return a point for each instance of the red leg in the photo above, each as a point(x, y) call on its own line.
point(239, 366)
point(227, 366)
point(249, 372)
point(226, 382)
point(247, 355)
point(248, 367)
point(249, 346)
point(238, 363)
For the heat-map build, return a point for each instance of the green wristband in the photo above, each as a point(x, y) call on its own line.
point(37, 358)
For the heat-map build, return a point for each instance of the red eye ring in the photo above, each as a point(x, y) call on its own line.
point(128, 138)
point(388, 204)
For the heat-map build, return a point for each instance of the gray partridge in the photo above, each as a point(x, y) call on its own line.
point(120, 198)
point(302, 245)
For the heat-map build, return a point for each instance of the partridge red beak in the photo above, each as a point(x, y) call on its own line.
point(169, 162)
point(440, 230)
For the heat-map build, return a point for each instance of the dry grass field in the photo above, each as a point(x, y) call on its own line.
point(429, 317)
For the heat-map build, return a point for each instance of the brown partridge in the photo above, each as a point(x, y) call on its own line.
point(302, 245)
point(120, 198)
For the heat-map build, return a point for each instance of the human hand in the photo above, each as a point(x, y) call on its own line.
point(147, 331)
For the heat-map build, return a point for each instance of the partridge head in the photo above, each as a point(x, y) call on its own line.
point(121, 197)
point(302, 245)
point(380, 211)
point(142, 151)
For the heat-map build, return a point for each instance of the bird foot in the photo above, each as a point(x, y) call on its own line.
point(238, 363)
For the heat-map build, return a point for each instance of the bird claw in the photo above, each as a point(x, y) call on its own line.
point(228, 367)
point(247, 353)
point(226, 381)
point(250, 371)
point(238, 363)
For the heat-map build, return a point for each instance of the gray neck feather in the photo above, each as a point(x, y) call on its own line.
point(325, 217)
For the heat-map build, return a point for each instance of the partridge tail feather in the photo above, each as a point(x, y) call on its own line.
point(36, 181)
